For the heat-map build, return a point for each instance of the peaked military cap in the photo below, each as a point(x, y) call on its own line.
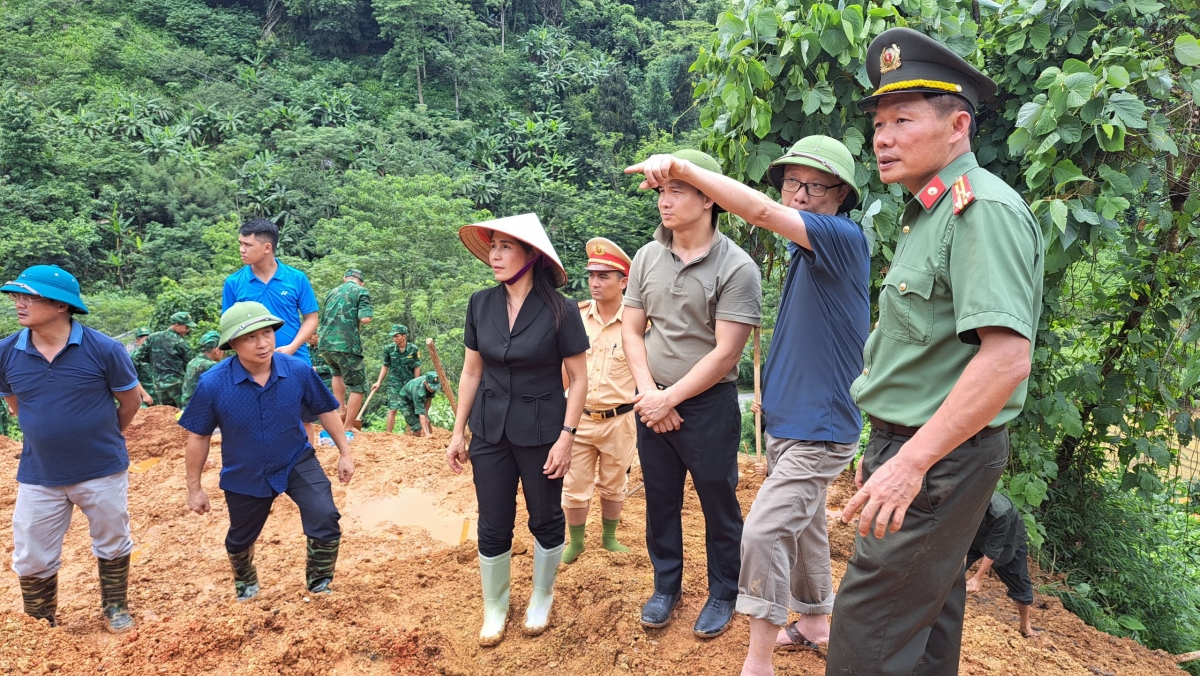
point(605, 256)
point(903, 60)
point(354, 272)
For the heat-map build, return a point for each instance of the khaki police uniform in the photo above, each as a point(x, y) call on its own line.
point(969, 256)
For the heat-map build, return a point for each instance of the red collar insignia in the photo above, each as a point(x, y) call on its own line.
point(963, 195)
point(931, 192)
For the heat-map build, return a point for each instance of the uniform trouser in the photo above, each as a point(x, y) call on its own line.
point(899, 609)
point(43, 514)
point(496, 470)
point(705, 445)
point(169, 394)
point(308, 487)
point(1014, 573)
point(600, 459)
point(785, 545)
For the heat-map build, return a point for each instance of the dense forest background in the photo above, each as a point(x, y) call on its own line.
point(136, 135)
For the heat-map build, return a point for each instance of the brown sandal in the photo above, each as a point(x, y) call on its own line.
point(798, 641)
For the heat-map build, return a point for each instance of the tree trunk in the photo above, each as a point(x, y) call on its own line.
point(420, 94)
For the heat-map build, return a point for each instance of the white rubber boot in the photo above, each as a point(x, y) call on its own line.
point(496, 573)
point(545, 570)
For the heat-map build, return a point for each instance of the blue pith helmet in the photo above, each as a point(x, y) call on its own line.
point(48, 281)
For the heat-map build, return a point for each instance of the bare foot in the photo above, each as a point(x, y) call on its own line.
point(753, 668)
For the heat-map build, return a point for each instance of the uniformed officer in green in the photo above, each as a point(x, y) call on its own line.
point(210, 354)
point(347, 309)
point(141, 361)
point(169, 357)
point(944, 370)
point(415, 398)
point(319, 364)
point(401, 363)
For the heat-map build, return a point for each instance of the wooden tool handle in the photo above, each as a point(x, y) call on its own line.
point(447, 387)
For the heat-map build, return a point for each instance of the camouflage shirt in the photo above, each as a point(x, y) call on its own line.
point(141, 361)
point(319, 364)
point(195, 369)
point(401, 365)
point(344, 307)
point(415, 394)
point(169, 355)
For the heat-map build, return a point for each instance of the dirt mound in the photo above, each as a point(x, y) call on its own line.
point(408, 600)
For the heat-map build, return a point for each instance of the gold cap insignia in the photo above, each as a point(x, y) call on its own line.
point(599, 249)
point(889, 59)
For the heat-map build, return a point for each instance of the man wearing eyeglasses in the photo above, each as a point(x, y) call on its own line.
point(812, 424)
point(61, 378)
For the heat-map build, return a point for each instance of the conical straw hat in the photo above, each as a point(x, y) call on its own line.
point(526, 228)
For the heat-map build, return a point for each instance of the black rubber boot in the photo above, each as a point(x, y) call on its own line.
point(245, 575)
point(322, 557)
point(41, 597)
point(114, 593)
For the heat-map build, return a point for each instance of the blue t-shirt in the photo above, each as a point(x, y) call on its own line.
point(262, 436)
point(288, 295)
point(817, 349)
point(66, 407)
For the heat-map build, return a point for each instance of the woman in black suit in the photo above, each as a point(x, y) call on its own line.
point(519, 336)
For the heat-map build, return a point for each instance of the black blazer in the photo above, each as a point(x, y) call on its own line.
point(521, 393)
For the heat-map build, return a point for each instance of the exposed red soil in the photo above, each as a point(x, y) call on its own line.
point(407, 603)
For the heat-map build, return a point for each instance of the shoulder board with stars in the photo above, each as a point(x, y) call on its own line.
point(962, 194)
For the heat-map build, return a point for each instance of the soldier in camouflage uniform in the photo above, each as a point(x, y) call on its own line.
point(169, 356)
point(141, 360)
point(319, 364)
point(209, 355)
point(346, 309)
point(401, 363)
point(414, 401)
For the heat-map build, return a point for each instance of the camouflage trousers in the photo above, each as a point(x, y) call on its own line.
point(43, 514)
point(169, 392)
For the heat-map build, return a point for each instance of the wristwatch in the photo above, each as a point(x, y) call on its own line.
point(567, 428)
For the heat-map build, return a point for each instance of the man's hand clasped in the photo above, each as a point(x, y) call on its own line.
point(885, 497)
point(656, 411)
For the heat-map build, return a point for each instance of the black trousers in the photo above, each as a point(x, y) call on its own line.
point(705, 445)
point(1014, 573)
point(308, 487)
point(497, 469)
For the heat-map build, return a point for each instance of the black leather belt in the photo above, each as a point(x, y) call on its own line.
point(610, 413)
point(902, 431)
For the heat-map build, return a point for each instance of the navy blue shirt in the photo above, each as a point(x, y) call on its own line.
point(262, 436)
point(817, 349)
point(287, 295)
point(66, 407)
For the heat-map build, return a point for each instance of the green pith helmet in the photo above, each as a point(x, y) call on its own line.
point(245, 317)
point(398, 329)
point(354, 272)
point(704, 161)
point(431, 380)
point(824, 154)
point(142, 332)
point(182, 318)
point(209, 340)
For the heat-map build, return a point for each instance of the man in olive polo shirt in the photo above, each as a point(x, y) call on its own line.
point(703, 296)
point(943, 372)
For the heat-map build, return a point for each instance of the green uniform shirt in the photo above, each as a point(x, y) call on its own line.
point(141, 361)
point(169, 356)
point(322, 368)
point(344, 307)
point(415, 394)
point(195, 369)
point(401, 365)
point(951, 274)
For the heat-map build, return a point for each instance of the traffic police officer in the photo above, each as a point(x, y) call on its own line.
point(944, 370)
point(607, 436)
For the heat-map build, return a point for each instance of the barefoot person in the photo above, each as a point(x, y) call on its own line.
point(944, 371)
point(812, 423)
point(256, 398)
point(607, 437)
point(60, 378)
point(1000, 545)
point(703, 296)
point(519, 335)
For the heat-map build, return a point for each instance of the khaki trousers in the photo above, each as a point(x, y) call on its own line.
point(785, 544)
point(600, 458)
point(899, 609)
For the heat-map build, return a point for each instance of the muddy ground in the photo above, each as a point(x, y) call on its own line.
point(408, 601)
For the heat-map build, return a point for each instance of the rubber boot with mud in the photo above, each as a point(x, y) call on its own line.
point(245, 575)
point(114, 593)
point(318, 571)
point(41, 597)
point(496, 574)
point(545, 571)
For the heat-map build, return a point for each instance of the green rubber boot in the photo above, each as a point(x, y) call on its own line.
point(245, 575)
point(114, 593)
point(41, 597)
point(318, 571)
point(610, 536)
point(575, 543)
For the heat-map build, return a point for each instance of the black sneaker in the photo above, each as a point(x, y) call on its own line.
point(715, 618)
point(657, 611)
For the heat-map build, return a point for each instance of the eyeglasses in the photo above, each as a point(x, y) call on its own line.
point(22, 300)
point(813, 189)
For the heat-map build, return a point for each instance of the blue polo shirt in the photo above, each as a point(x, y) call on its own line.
point(261, 433)
point(287, 295)
point(817, 349)
point(66, 407)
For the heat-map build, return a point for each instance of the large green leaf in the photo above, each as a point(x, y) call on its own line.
point(1129, 109)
